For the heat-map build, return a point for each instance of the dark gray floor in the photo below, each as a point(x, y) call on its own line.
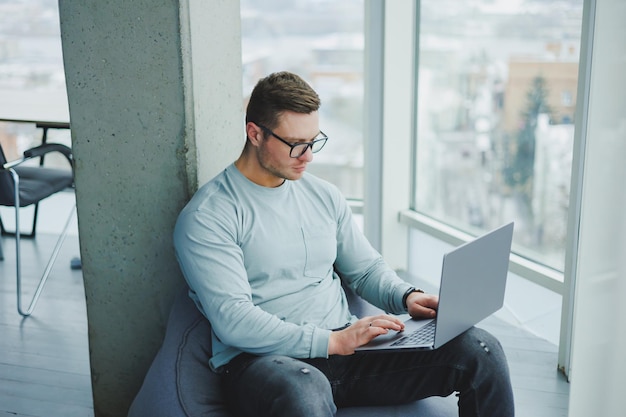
point(44, 361)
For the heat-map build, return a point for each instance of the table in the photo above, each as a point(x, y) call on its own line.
point(47, 106)
point(46, 109)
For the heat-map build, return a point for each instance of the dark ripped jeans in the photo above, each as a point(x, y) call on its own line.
point(473, 365)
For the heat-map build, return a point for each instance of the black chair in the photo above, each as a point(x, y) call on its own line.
point(23, 185)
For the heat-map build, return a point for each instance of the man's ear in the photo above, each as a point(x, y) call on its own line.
point(254, 133)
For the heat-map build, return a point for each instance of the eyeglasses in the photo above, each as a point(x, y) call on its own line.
point(300, 148)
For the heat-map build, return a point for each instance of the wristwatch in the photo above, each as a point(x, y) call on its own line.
point(406, 295)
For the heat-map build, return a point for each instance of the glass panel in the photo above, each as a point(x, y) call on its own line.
point(322, 41)
point(497, 86)
point(32, 80)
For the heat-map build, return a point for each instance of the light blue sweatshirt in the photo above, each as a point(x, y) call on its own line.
point(261, 262)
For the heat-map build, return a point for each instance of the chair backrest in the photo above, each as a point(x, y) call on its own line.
point(7, 192)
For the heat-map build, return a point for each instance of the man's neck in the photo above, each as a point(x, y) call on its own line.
point(251, 169)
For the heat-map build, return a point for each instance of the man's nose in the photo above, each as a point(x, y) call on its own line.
point(307, 156)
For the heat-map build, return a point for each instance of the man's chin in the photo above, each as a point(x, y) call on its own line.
point(296, 174)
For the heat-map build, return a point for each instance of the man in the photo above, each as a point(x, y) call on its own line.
point(264, 247)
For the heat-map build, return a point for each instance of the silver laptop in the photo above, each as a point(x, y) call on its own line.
point(473, 280)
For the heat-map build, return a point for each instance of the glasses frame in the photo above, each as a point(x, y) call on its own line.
point(305, 145)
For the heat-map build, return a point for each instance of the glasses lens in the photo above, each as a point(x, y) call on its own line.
point(298, 150)
point(318, 144)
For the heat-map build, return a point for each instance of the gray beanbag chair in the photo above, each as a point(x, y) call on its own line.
point(180, 383)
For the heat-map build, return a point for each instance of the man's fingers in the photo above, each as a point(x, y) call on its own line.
point(423, 305)
point(421, 311)
point(386, 322)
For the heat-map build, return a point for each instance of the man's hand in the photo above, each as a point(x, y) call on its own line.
point(421, 305)
point(344, 342)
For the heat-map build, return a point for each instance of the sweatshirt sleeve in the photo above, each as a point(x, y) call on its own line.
point(213, 266)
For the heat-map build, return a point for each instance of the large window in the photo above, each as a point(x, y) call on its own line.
point(495, 111)
point(322, 41)
point(32, 85)
point(32, 79)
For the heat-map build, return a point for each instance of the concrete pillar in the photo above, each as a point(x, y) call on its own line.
point(135, 111)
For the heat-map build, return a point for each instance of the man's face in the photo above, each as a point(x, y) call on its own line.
point(274, 155)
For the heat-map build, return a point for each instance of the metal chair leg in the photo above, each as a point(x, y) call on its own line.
point(33, 230)
point(18, 260)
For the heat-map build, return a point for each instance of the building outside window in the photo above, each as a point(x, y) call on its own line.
point(496, 93)
point(32, 84)
point(323, 42)
point(31, 73)
point(494, 132)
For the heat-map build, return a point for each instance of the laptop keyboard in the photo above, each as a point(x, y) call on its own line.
point(419, 336)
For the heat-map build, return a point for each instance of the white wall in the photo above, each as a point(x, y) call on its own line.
point(211, 50)
point(599, 333)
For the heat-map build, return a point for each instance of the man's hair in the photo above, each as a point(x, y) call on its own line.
point(277, 93)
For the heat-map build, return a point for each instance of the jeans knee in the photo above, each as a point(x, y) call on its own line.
point(303, 379)
point(485, 351)
point(488, 380)
point(298, 389)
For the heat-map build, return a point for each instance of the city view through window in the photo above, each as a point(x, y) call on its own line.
point(323, 42)
point(496, 106)
point(496, 98)
point(32, 80)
